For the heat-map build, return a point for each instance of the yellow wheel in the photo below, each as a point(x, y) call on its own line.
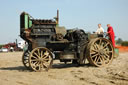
point(100, 52)
point(40, 59)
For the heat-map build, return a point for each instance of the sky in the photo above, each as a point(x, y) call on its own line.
point(82, 14)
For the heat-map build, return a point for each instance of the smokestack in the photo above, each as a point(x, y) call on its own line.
point(57, 19)
point(16, 44)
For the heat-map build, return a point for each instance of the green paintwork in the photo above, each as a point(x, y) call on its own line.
point(30, 23)
point(116, 52)
point(26, 21)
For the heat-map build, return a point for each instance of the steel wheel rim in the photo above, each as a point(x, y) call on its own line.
point(40, 59)
point(101, 52)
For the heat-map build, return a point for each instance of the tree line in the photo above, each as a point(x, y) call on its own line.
point(119, 41)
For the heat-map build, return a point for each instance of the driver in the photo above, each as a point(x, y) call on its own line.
point(111, 34)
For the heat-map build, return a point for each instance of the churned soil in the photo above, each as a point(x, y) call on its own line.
point(12, 72)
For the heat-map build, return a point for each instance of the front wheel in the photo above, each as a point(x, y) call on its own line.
point(40, 59)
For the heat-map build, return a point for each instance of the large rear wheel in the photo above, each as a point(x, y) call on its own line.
point(100, 52)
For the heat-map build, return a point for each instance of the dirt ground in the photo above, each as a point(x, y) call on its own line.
point(12, 72)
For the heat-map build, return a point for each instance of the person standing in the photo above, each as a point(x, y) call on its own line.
point(11, 49)
point(100, 29)
point(111, 34)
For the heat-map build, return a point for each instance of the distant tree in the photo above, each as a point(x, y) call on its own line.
point(124, 43)
point(1, 46)
point(119, 41)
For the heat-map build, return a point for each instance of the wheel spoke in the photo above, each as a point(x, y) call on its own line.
point(106, 49)
point(108, 52)
point(95, 59)
point(106, 55)
point(37, 67)
point(45, 59)
point(38, 63)
point(94, 50)
point(36, 54)
point(100, 42)
point(45, 56)
point(40, 66)
point(33, 60)
point(34, 57)
point(46, 53)
point(95, 55)
point(102, 59)
point(34, 63)
point(46, 64)
point(96, 46)
point(98, 59)
point(41, 54)
point(106, 45)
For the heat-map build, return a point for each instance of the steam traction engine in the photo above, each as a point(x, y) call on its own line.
point(47, 41)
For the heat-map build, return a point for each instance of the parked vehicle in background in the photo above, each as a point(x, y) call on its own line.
point(10, 46)
point(4, 50)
